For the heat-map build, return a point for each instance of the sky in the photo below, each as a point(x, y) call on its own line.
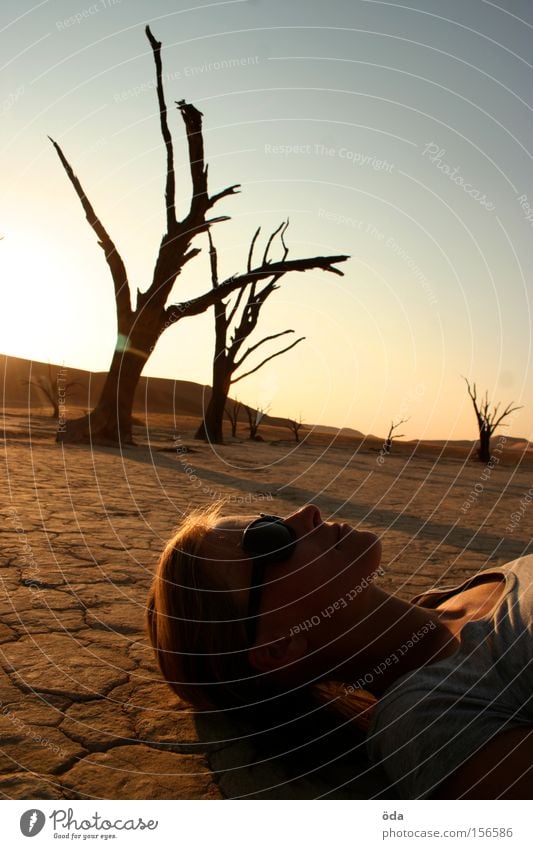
point(397, 133)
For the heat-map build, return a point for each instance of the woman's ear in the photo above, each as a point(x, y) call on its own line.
point(278, 654)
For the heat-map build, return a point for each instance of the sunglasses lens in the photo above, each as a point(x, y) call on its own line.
point(269, 539)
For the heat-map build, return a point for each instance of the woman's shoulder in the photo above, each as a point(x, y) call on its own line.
point(522, 567)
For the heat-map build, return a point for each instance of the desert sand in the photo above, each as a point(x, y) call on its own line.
point(84, 712)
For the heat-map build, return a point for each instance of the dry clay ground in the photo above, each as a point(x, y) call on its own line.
point(83, 711)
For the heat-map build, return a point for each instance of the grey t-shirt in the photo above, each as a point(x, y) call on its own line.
point(432, 719)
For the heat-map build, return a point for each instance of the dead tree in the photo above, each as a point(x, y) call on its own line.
point(391, 435)
point(227, 356)
point(139, 328)
point(295, 426)
point(52, 389)
point(232, 412)
point(487, 420)
point(254, 420)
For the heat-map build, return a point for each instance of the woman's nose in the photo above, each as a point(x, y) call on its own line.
point(305, 519)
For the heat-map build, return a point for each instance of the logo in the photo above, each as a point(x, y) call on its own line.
point(32, 822)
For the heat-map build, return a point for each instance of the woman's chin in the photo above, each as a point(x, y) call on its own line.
point(367, 553)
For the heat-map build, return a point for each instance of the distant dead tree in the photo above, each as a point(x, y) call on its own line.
point(226, 359)
point(387, 446)
point(232, 411)
point(487, 420)
point(139, 328)
point(254, 420)
point(295, 425)
point(53, 388)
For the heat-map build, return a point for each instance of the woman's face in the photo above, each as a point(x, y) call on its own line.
point(317, 591)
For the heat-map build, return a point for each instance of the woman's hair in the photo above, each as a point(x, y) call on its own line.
point(199, 636)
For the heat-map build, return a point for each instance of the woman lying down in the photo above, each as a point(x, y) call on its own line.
point(244, 611)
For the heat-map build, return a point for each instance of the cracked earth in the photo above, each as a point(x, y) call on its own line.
point(84, 712)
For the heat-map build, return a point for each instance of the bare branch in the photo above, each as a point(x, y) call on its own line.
point(253, 348)
point(192, 118)
point(200, 202)
point(473, 395)
point(236, 305)
point(213, 260)
point(203, 302)
point(271, 239)
point(170, 187)
point(113, 258)
point(507, 412)
point(231, 190)
point(282, 236)
point(251, 251)
point(250, 317)
point(393, 426)
point(261, 364)
point(471, 390)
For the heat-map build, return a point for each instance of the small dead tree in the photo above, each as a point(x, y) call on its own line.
point(295, 425)
point(227, 356)
point(232, 412)
point(255, 418)
point(139, 328)
point(387, 446)
point(52, 388)
point(487, 420)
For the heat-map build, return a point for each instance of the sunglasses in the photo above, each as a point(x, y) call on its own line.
point(266, 540)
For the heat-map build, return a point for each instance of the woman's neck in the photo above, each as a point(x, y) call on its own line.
point(393, 637)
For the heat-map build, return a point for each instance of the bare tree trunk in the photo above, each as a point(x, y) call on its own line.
point(110, 421)
point(484, 445)
point(211, 429)
point(233, 415)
